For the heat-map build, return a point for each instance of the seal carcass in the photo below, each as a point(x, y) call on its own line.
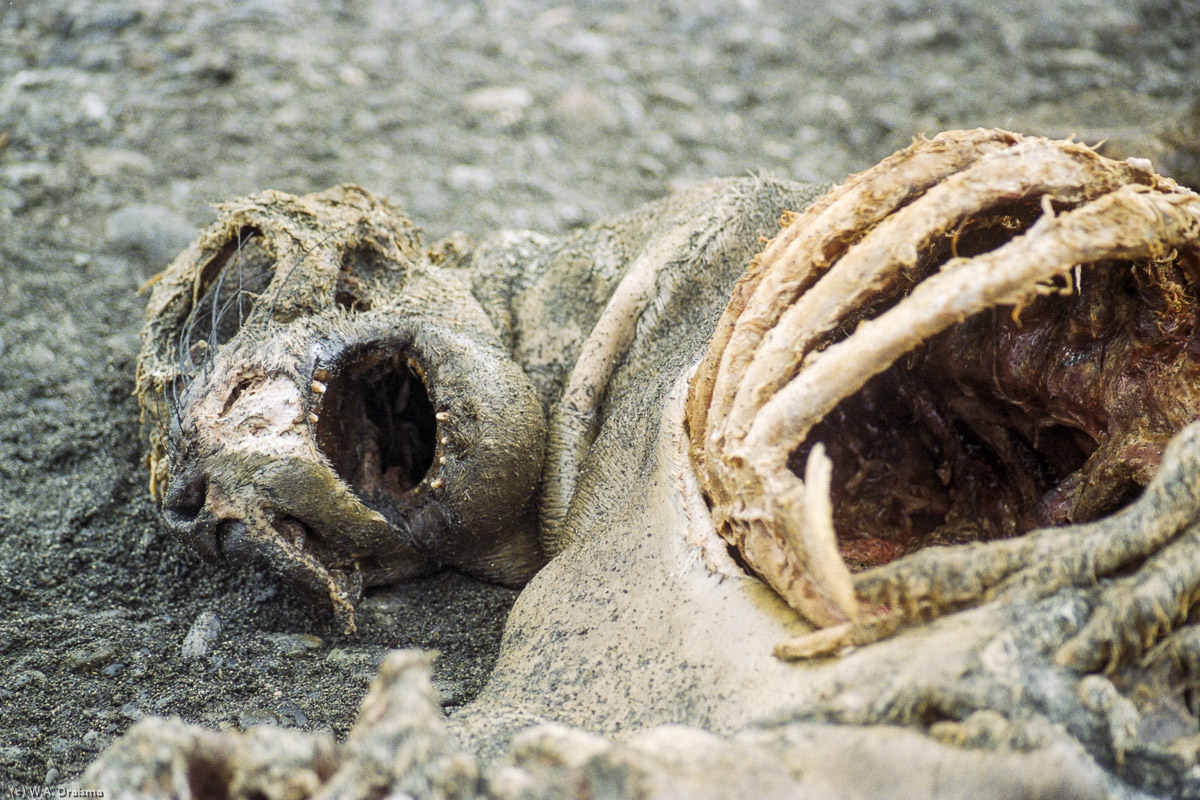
point(938, 426)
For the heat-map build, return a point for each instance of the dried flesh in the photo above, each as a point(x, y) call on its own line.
point(1001, 425)
point(315, 385)
point(988, 333)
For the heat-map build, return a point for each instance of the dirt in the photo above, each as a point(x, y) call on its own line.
point(121, 121)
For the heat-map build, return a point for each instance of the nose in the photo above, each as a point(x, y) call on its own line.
point(189, 518)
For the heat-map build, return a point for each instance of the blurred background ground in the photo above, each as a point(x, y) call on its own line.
point(121, 121)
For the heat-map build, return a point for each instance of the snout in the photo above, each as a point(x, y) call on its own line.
point(198, 513)
point(190, 517)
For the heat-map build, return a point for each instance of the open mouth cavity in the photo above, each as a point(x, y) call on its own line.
point(377, 424)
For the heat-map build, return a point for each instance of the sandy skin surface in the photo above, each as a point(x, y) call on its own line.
point(121, 121)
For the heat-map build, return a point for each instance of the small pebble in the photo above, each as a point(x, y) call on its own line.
point(581, 114)
point(673, 94)
point(91, 655)
point(464, 177)
point(114, 162)
point(292, 715)
point(451, 692)
point(339, 657)
point(11, 201)
point(504, 105)
point(93, 106)
point(585, 44)
point(384, 604)
point(155, 233)
point(202, 635)
point(256, 716)
point(42, 355)
point(295, 644)
point(24, 174)
point(29, 676)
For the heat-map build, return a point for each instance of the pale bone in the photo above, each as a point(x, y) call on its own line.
point(1109, 227)
point(1010, 275)
point(818, 537)
point(875, 265)
point(637, 624)
point(834, 219)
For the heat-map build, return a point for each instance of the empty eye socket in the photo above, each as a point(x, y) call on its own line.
point(377, 423)
point(361, 266)
point(231, 283)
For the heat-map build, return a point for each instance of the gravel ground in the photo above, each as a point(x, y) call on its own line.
point(121, 121)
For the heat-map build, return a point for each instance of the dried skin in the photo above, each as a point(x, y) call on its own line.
point(1018, 251)
point(360, 409)
point(965, 386)
point(572, 425)
point(317, 389)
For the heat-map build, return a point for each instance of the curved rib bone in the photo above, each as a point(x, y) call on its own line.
point(775, 368)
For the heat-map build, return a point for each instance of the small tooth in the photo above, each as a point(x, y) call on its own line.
point(442, 460)
point(827, 567)
point(312, 417)
point(436, 483)
point(442, 416)
point(321, 374)
point(444, 441)
point(318, 387)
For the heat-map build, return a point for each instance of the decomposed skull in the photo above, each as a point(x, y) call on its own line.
point(321, 393)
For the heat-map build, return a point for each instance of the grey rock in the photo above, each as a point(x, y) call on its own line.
point(250, 717)
point(582, 114)
point(339, 657)
point(153, 233)
point(295, 644)
point(26, 174)
point(202, 635)
point(115, 162)
point(503, 105)
point(465, 177)
point(673, 94)
point(291, 714)
point(452, 693)
point(10, 201)
point(28, 677)
point(91, 655)
point(585, 44)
